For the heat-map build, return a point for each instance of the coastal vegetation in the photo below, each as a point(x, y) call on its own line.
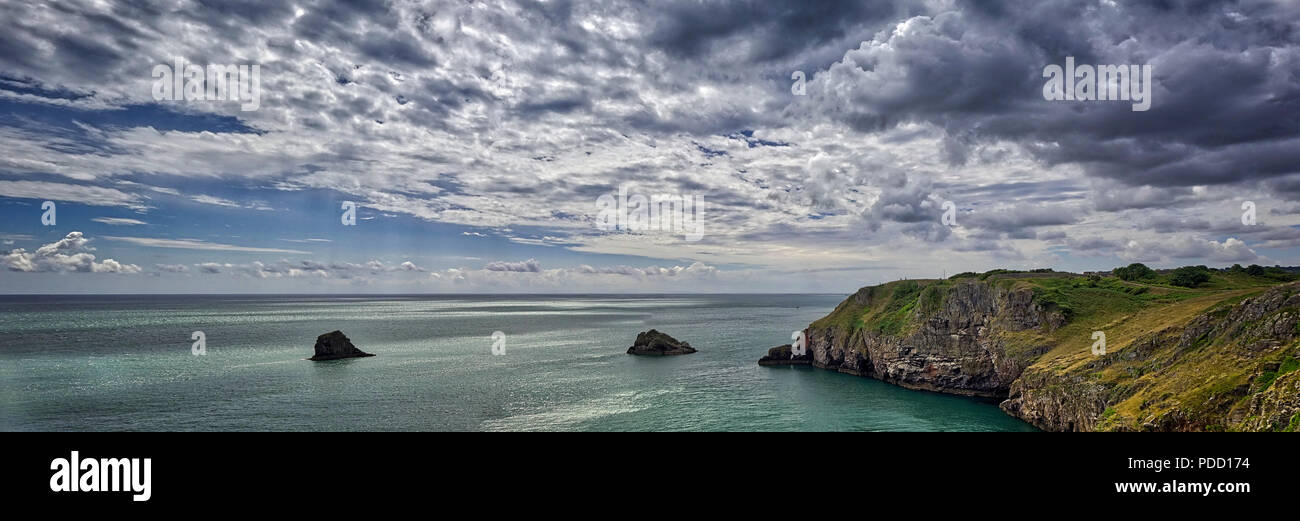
point(1192, 348)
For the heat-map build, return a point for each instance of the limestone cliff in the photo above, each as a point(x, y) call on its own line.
point(1217, 358)
point(944, 342)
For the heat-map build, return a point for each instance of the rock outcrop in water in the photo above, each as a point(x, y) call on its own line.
point(653, 342)
point(784, 355)
point(335, 345)
point(1176, 359)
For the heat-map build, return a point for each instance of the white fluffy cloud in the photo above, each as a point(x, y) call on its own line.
point(1230, 250)
point(530, 265)
point(69, 254)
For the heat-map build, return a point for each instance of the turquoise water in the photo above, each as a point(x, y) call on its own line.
point(125, 363)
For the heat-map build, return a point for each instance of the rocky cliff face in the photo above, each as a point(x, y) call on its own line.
point(1230, 366)
point(954, 349)
point(1219, 371)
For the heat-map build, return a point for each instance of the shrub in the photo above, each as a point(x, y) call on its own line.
point(1135, 271)
point(991, 273)
point(1190, 276)
point(1288, 365)
point(1264, 381)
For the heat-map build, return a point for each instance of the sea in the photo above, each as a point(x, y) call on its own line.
point(443, 363)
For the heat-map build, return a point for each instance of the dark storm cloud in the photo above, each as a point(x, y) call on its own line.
point(775, 29)
point(1288, 186)
point(398, 49)
point(559, 105)
point(233, 12)
point(1224, 101)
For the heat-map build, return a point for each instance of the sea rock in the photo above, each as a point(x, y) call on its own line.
point(653, 342)
point(784, 355)
point(335, 345)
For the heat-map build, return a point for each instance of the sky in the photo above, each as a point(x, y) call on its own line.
point(829, 145)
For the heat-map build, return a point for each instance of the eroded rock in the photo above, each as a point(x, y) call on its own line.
point(335, 345)
point(653, 342)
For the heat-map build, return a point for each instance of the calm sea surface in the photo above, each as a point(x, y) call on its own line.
point(125, 363)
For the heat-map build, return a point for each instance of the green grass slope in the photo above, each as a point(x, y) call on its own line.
point(1152, 377)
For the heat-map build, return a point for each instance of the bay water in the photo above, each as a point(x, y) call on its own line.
point(117, 363)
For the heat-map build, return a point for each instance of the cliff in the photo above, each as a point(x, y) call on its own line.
point(1219, 357)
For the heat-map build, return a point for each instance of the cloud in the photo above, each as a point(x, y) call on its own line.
point(218, 201)
point(1019, 217)
point(530, 265)
point(1110, 196)
point(697, 269)
point(505, 121)
point(118, 221)
point(195, 244)
point(975, 73)
point(585, 278)
point(69, 254)
point(285, 268)
point(215, 201)
point(408, 275)
point(1093, 246)
point(1230, 250)
point(84, 194)
point(171, 268)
